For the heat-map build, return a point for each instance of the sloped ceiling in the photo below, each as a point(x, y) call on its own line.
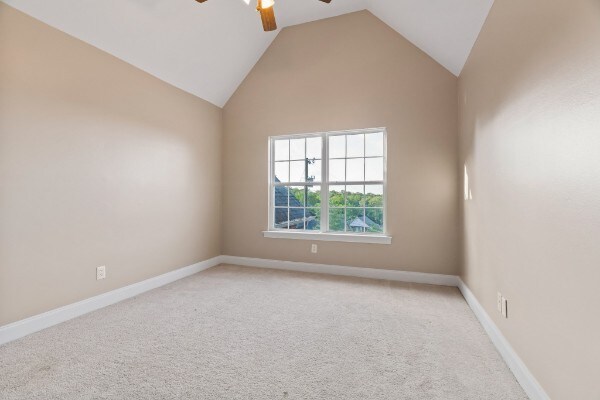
point(208, 49)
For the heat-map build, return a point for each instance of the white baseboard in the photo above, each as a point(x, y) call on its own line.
point(531, 386)
point(38, 322)
point(359, 272)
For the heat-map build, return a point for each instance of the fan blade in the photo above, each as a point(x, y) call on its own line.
point(267, 16)
point(200, 1)
point(324, 1)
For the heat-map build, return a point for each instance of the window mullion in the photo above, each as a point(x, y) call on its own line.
point(272, 186)
point(324, 184)
point(385, 209)
point(271, 216)
point(345, 179)
point(357, 183)
point(364, 179)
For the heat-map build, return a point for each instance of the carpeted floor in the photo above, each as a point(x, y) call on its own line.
point(242, 333)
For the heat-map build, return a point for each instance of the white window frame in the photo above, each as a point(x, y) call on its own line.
point(324, 234)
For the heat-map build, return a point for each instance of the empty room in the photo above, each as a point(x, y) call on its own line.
point(300, 199)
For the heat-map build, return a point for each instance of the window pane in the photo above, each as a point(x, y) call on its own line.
point(281, 218)
point(297, 196)
point(282, 150)
point(281, 196)
point(336, 196)
point(336, 220)
point(337, 170)
point(313, 197)
point(374, 219)
point(296, 218)
point(297, 149)
point(356, 145)
point(374, 144)
point(282, 171)
point(356, 169)
point(355, 219)
point(337, 146)
point(374, 169)
point(313, 147)
point(297, 172)
point(374, 196)
point(314, 171)
point(355, 195)
point(313, 219)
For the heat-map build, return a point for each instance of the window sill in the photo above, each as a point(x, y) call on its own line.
point(329, 237)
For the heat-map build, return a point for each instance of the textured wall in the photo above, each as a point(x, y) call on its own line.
point(348, 72)
point(100, 164)
point(530, 136)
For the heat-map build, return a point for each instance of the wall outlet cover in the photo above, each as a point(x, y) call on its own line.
point(100, 273)
point(504, 307)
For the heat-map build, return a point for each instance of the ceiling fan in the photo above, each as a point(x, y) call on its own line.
point(267, 14)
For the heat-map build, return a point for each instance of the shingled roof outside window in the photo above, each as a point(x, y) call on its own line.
point(296, 219)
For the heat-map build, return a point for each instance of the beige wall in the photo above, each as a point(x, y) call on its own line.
point(348, 72)
point(530, 133)
point(100, 164)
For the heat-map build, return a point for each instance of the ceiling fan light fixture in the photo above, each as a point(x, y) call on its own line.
point(267, 3)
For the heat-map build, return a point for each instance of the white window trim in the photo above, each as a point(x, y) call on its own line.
point(330, 237)
point(324, 234)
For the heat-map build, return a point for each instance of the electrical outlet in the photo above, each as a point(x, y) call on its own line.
point(313, 249)
point(499, 302)
point(100, 273)
point(504, 307)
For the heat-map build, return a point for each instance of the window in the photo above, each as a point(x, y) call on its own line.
point(328, 183)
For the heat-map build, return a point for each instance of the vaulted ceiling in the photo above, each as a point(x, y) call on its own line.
point(208, 49)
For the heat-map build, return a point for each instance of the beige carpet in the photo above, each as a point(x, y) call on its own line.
point(241, 333)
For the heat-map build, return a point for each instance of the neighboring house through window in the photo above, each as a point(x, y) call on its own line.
point(344, 195)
